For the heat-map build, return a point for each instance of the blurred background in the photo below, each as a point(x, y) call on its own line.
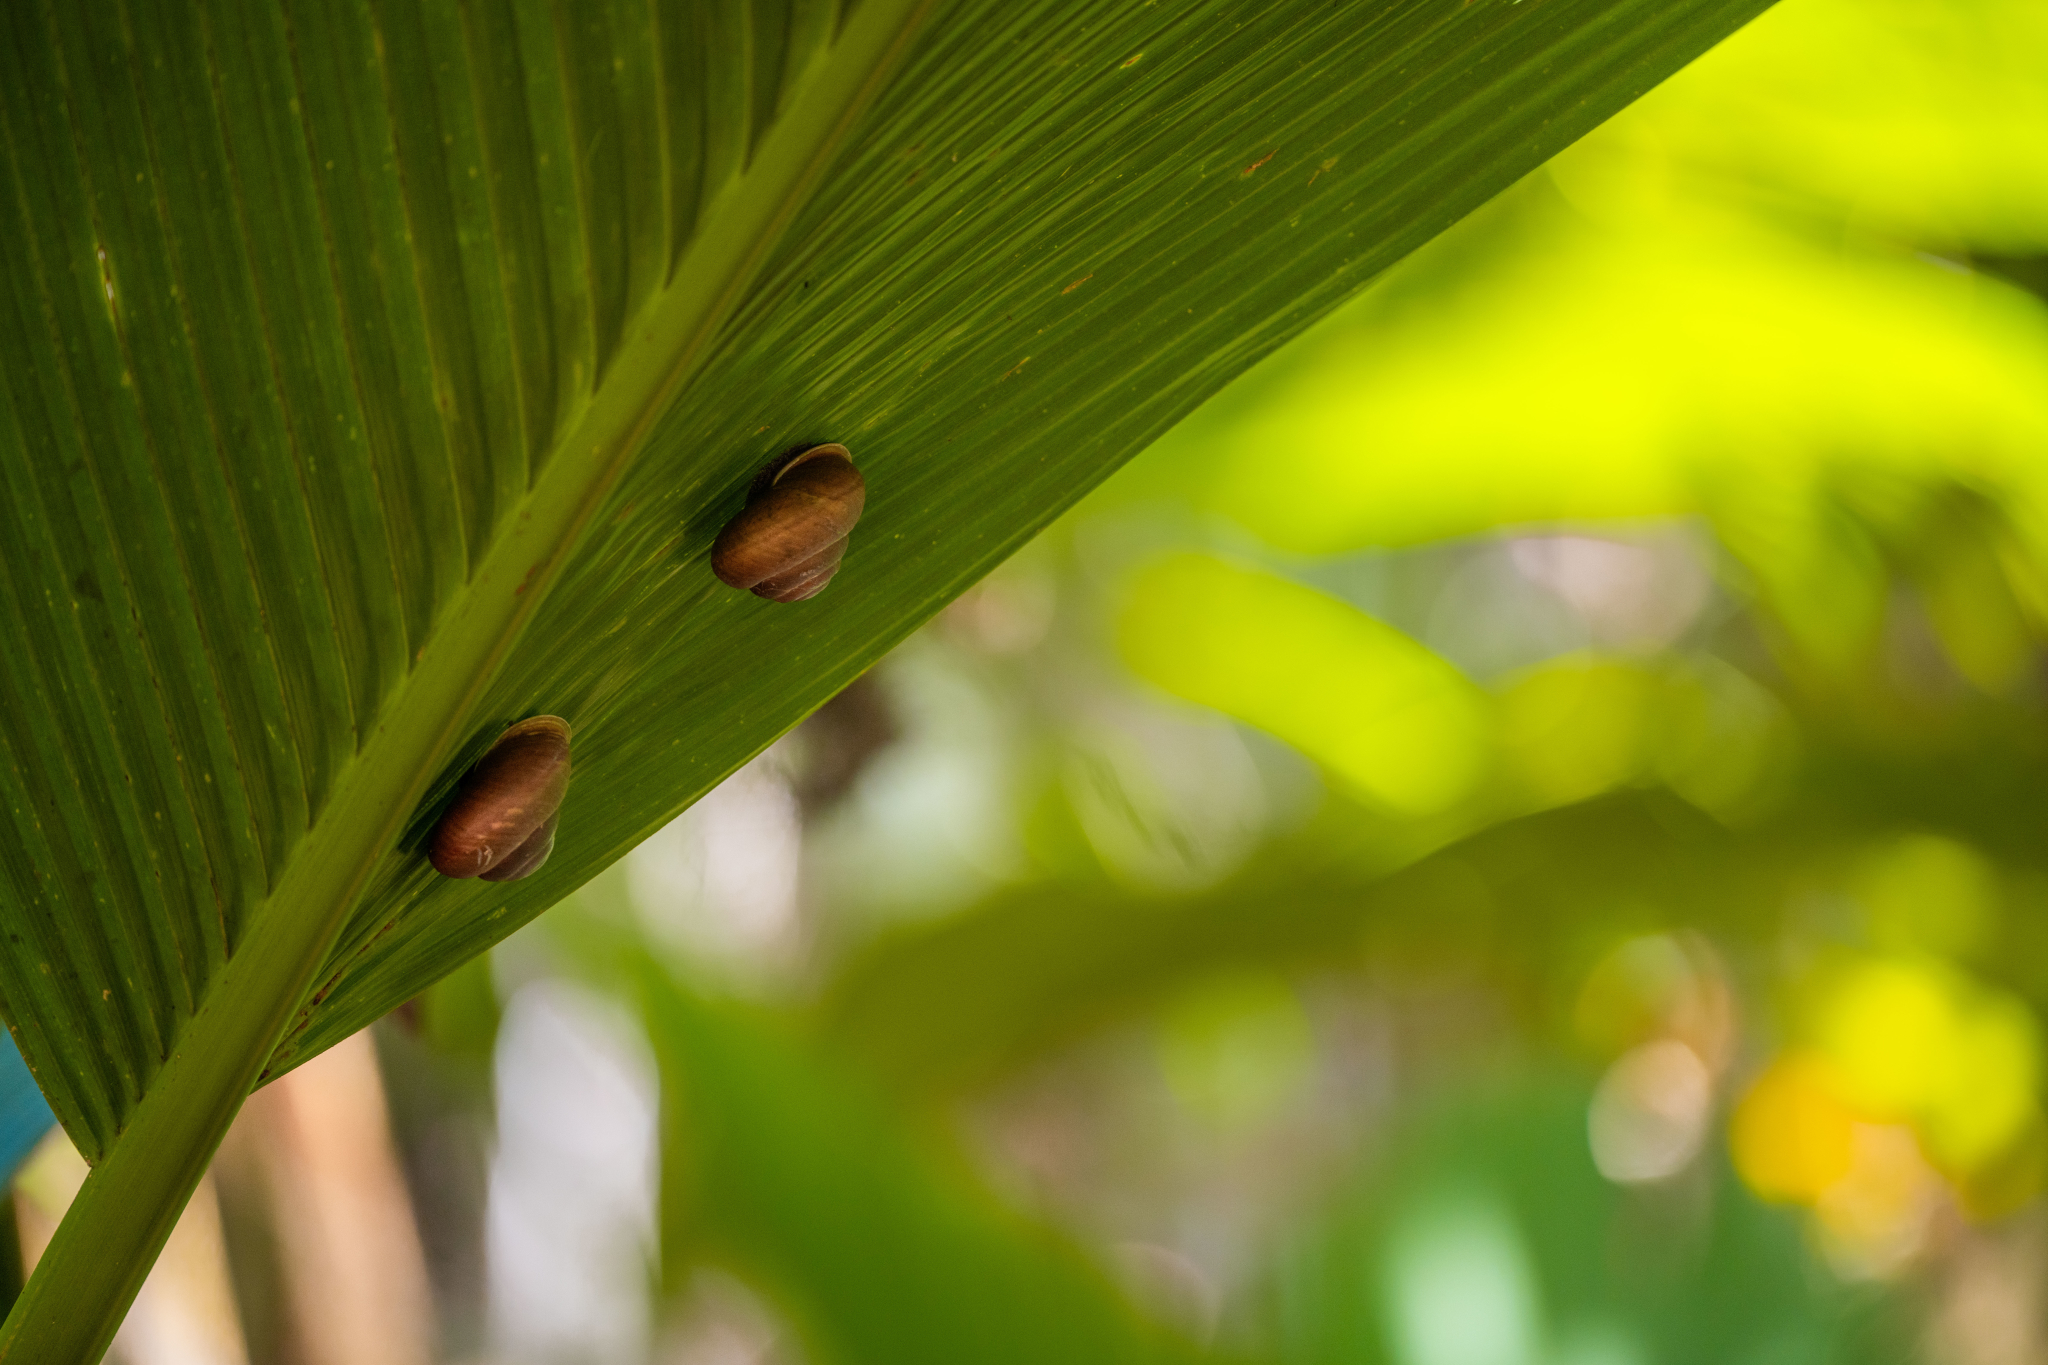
point(1514, 836)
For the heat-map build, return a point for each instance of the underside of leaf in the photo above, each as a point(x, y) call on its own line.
point(375, 375)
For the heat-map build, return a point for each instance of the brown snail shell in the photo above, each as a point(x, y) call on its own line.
point(501, 824)
point(528, 856)
point(787, 543)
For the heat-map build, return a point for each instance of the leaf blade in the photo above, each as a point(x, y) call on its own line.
point(834, 272)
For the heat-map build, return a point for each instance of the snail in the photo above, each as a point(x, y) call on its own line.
point(787, 543)
point(501, 824)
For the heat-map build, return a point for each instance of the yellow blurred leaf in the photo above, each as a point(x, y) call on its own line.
point(1385, 715)
point(1697, 361)
point(1923, 119)
point(1889, 1028)
point(1986, 1101)
point(1915, 1040)
point(1578, 726)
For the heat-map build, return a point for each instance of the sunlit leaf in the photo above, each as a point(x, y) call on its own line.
point(1396, 722)
point(1914, 1040)
point(1692, 363)
point(1923, 120)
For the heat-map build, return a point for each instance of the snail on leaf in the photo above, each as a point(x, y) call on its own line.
point(501, 824)
point(787, 543)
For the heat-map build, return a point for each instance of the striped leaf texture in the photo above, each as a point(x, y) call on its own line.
point(374, 373)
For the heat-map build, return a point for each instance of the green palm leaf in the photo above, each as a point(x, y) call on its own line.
point(372, 375)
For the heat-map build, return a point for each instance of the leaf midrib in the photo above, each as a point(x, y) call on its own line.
point(420, 725)
point(102, 1249)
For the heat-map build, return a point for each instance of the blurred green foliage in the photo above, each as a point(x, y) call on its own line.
point(1488, 1235)
point(798, 1175)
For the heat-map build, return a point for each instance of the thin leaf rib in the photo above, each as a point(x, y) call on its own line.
point(173, 456)
point(461, 321)
point(370, 264)
point(250, 485)
point(177, 457)
point(78, 392)
point(295, 313)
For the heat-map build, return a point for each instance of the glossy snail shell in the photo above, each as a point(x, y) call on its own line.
point(501, 824)
point(787, 543)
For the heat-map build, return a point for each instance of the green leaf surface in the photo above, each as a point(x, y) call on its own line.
point(374, 375)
